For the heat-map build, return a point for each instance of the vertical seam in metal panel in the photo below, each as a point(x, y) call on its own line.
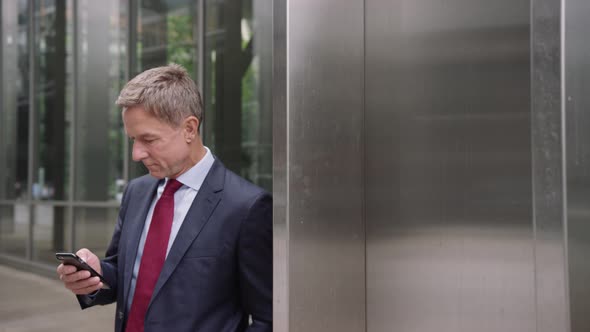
point(2, 61)
point(562, 156)
point(532, 135)
point(364, 154)
point(287, 165)
point(280, 166)
point(32, 119)
point(564, 163)
point(73, 126)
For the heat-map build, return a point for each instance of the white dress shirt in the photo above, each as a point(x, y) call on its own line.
point(183, 199)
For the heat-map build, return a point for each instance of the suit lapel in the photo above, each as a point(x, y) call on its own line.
point(135, 228)
point(197, 216)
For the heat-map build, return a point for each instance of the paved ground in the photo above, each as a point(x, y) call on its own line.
point(31, 303)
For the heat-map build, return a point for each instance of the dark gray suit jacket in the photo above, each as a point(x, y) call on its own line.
point(219, 269)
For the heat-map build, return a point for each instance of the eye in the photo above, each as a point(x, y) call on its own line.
point(149, 140)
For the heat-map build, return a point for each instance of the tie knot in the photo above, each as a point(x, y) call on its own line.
point(171, 187)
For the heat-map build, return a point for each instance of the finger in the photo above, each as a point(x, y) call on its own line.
point(88, 290)
point(66, 269)
point(84, 254)
point(75, 277)
point(59, 269)
point(83, 284)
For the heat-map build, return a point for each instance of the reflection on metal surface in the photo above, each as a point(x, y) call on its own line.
point(548, 173)
point(326, 246)
point(279, 181)
point(448, 177)
point(415, 122)
point(577, 73)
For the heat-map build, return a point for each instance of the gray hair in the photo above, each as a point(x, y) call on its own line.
point(167, 92)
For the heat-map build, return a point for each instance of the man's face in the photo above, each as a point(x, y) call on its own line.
point(159, 146)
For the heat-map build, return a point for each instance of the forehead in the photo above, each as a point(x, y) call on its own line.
point(138, 122)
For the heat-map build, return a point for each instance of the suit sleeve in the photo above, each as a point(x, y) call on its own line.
point(255, 264)
point(108, 266)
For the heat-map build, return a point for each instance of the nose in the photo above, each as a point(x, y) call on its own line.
point(139, 152)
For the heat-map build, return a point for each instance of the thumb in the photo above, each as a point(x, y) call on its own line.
point(84, 254)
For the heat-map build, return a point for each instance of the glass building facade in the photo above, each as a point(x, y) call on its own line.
point(63, 154)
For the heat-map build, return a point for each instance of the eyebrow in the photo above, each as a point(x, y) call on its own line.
point(143, 136)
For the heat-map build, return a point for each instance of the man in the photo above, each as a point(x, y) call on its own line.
point(192, 248)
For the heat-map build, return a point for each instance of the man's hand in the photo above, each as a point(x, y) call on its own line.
point(79, 282)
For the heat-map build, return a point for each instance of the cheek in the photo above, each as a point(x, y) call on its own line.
point(158, 154)
point(170, 155)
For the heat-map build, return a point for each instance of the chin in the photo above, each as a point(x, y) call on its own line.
point(157, 175)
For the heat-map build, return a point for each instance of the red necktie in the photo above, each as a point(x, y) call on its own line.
point(154, 255)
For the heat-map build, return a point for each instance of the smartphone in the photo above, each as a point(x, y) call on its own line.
point(68, 258)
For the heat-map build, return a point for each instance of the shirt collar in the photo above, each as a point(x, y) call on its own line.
point(195, 176)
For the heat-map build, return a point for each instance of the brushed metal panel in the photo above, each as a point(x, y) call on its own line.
point(577, 76)
point(279, 164)
point(326, 245)
point(548, 171)
point(448, 166)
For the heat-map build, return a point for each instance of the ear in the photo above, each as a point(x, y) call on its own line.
point(190, 127)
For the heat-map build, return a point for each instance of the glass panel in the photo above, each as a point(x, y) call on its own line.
point(94, 228)
point(14, 229)
point(165, 34)
point(99, 142)
point(49, 232)
point(14, 105)
point(238, 73)
point(53, 64)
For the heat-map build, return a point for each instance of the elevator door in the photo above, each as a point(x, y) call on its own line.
point(450, 244)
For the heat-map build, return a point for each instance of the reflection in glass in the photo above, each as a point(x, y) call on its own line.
point(53, 86)
point(165, 34)
point(99, 142)
point(94, 228)
point(14, 229)
point(238, 64)
point(48, 232)
point(14, 101)
point(53, 96)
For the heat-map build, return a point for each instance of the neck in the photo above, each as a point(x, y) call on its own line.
point(197, 153)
